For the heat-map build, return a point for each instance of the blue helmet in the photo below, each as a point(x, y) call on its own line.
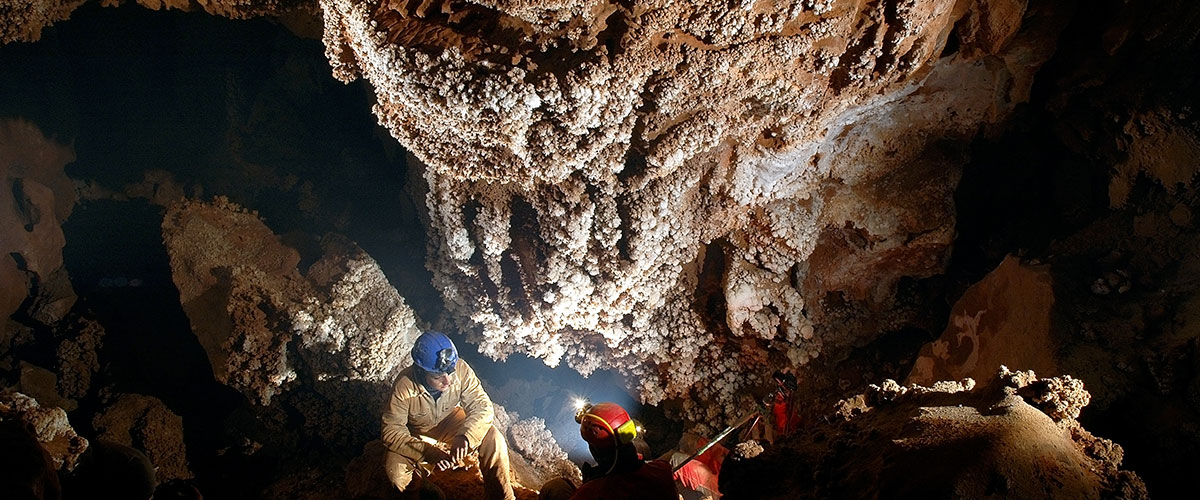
point(434, 352)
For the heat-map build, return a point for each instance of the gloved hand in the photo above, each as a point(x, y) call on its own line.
point(590, 472)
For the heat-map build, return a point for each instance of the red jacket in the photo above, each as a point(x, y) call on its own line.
point(651, 481)
point(703, 471)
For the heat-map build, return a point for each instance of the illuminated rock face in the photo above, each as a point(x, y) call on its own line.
point(50, 426)
point(250, 306)
point(673, 189)
point(1015, 434)
point(145, 423)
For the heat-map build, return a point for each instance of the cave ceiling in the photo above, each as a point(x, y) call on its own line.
point(684, 192)
point(673, 189)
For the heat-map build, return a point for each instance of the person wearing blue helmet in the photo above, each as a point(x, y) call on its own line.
point(440, 400)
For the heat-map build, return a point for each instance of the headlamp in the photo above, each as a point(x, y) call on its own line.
point(582, 406)
point(446, 361)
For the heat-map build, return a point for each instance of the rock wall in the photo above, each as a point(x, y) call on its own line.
point(145, 423)
point(1005, 319)
point(36, 198)
point(24, 20)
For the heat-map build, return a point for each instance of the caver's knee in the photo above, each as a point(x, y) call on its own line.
point(399, 470)
point(556, 489)
point(493, 446)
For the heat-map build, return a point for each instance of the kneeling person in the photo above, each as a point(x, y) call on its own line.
point(440, 397)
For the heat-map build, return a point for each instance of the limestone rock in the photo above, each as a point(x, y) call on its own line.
point(36, 198)
point(23, 20)
point(359, 328)
point(78, 356)
point(1002, 320)
point(986, 438)
point(50, 426)
point(42, 385)
point(54, 299)
point(145, 423)
point(600, 173)
point(250, 306)
point(533, 441)
point(12, 335)
point(1157, 143)
point(235, 280)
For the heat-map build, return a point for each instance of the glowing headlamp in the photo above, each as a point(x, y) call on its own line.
point(581, 408)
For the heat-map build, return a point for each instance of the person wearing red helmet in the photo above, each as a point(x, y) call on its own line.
point(620, 471)
point(440, 398)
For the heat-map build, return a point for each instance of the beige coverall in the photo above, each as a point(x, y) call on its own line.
point(462, 409)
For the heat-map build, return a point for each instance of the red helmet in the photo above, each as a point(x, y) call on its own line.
point(605, 423)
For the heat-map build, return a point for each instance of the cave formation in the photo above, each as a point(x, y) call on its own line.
point(968, 227)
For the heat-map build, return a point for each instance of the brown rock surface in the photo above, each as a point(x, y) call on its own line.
point(604, 175)
point(42, 385)
point(1005, 319)
point(36, 198)
point(78, 354)
point(145, 423)
point(252, 311)
point(986, 440)
point(23, 20)
point(50, 425)
point(231, 270)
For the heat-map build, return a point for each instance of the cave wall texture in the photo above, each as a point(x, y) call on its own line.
point(683, 191)
point(676, 189)
point(696, 193)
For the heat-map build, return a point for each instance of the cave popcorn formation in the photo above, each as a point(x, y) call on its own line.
point(572, 207)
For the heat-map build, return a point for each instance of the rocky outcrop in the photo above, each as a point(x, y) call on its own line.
point(145, 423)
point(78, 355)
point(36, 198)
point(1005, 319)
point(231, 271)
point(537, 446)
point(681, 191)
point(23, 20)
point(1014, 436)
point(50, 426)
point(41, 385)
point(252, 310)
point(1157, 143)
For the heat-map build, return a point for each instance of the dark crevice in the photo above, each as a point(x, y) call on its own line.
point(953, 43)
point(520, 263)
point(20, 260)
point(709, 297)
point(29, 212)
